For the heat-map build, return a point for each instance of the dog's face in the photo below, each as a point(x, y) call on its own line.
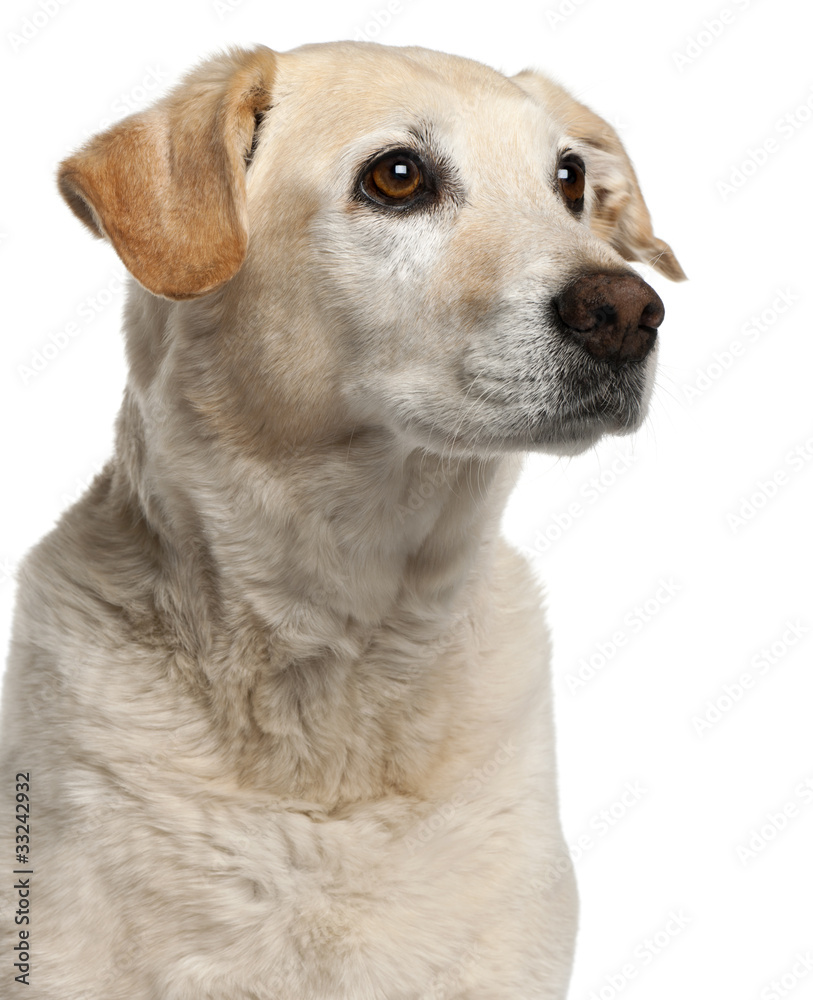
point(443, 246)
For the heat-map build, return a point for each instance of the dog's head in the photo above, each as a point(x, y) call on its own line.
point(389, 238)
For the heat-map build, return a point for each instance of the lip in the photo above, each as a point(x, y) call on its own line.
point(556, 434)
point(617, 395)
point(610, 419)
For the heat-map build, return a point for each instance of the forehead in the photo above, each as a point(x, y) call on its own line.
point(349, 92)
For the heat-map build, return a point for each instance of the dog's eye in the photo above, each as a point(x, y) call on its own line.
point(394, 179)
point(571, 178)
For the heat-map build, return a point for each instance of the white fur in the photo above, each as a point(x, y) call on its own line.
point(281, 688)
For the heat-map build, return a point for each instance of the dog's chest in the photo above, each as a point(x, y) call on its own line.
point(377, 827)
point(382, 902)
point(274, 895)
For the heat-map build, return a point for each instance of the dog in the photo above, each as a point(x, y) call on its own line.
point(277, 710)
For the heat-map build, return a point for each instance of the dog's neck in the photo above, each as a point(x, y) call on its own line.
point(314, 527)
point(307, 577)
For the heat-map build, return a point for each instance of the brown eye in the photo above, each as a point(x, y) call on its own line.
point(571, 179)
point(394, 179)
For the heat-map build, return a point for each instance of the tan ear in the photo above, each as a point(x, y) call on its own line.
point(620, 215)
point(167, 186)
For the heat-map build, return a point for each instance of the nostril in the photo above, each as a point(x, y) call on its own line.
point(605, 315)
point(581, 314)
point(653, 313)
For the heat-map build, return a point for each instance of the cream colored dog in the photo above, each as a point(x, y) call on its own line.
point(278, 697)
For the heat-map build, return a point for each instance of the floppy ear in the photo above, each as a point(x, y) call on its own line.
point(620, 215)
point(167, 186)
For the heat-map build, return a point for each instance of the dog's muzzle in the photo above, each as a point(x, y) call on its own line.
point(613, 317)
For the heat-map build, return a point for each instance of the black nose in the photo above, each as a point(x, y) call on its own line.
point(614, 317)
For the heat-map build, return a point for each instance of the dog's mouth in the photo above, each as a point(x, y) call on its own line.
point(565, 413)
point(615, 398)
point(568, 431)
point(614, 401)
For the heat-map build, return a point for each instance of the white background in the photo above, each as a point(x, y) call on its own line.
point(694, 105)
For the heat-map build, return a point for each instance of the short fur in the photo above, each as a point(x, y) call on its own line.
point(281, 688)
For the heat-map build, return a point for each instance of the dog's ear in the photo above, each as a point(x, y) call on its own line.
point(620, 215)
point(167, 186)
